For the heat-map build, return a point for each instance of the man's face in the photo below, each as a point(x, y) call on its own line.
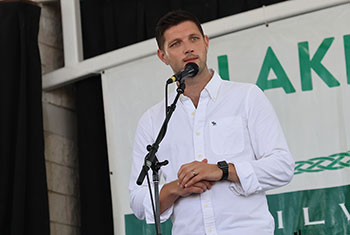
point(183, 43)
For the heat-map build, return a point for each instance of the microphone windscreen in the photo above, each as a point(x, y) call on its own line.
point(192, 69)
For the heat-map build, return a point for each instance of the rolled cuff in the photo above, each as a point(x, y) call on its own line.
point(249, 183)
point(149, 212)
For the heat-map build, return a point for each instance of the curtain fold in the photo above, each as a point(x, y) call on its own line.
point(23, 194)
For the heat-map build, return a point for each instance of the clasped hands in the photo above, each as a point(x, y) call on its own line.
point(197, 177)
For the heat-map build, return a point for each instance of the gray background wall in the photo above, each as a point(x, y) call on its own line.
point(59, 130)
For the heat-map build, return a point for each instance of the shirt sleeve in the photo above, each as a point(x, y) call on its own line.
point(273, 165)
point(140, 201)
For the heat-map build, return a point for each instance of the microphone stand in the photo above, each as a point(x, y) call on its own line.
point(152, 162)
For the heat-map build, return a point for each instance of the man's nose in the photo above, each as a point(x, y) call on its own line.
point(188, 48)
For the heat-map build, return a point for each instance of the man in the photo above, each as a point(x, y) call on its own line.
point(224, 145)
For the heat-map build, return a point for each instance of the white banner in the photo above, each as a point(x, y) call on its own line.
point(303, 65)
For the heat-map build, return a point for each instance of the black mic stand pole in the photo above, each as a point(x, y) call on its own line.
point(152, 162)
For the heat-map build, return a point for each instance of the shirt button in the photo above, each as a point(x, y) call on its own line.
point(210, 230)
point(200, 155)
point(198, 133)
point(193, 113)
point(206, 205)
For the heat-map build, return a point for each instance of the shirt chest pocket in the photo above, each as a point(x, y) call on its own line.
point(226, 135)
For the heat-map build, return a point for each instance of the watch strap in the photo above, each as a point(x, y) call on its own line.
point(224, 167)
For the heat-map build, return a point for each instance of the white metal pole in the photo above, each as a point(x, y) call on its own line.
point(71, 28)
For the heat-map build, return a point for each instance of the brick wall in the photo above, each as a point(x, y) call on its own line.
point(59, 130)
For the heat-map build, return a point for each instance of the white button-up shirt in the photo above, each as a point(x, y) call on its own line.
point(234, 122)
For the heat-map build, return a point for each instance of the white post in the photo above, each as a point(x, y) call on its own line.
point(71, 28)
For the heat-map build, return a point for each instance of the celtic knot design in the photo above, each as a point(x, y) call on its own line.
point(332, 162)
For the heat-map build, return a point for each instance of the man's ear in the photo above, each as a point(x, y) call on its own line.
point(162, 56)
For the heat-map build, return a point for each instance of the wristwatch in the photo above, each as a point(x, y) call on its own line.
point(224, 167)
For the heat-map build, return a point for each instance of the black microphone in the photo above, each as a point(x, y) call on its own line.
point(191, 70)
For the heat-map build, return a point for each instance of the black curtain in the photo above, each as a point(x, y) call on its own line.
point(23, 188)
point(111, 24)
point(95, 193)
point(108, 25)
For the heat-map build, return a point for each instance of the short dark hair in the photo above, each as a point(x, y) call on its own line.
point(171, 19)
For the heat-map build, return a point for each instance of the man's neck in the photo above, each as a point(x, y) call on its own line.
point(195, 85)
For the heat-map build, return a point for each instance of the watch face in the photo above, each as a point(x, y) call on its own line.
point(223, 164)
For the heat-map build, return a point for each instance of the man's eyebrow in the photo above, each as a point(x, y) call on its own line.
point(175, 39)
point(194, 34)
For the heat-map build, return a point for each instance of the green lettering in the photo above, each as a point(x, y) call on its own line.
point(315, 63)
point(223, 67)
point(347, 55)
point(272, 63)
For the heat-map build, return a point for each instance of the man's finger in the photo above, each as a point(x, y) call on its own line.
point(190, 175)
point(193, 189)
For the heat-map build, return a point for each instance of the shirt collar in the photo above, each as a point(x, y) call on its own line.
point(211, 89)
point(213, 85)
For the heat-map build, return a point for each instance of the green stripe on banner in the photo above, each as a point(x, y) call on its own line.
point(312, 212)
point(134, 226)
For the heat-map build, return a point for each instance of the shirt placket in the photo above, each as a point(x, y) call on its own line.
point(198, 139)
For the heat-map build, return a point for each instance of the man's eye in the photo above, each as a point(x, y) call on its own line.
point(194, 38)
point(174, 44)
